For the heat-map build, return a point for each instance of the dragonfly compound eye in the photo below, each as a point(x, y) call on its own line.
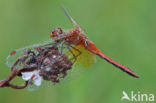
point(56, 32)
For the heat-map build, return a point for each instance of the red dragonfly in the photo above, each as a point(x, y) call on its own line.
point(77, 37)
point(74, 44)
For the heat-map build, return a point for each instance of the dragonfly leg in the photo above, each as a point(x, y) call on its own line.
point(74, 56)
point(76, 50)
point(62, 47)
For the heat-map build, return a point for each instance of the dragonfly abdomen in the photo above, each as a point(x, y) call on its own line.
point(118, 65)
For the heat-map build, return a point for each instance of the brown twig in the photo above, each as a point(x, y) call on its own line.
point(14, 73)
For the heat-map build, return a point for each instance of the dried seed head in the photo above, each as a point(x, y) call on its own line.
point(45, 64)
point(54, 65)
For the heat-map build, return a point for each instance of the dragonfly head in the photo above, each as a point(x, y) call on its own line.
point(56, 32)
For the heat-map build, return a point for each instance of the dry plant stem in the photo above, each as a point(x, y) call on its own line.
point(14, 73)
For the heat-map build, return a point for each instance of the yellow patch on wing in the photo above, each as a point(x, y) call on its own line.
point(85, 59)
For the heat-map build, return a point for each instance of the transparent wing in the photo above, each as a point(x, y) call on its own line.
point(70, 18)
point(83, 61)
point(71, 75)
point(12, 57)
point(80, 57)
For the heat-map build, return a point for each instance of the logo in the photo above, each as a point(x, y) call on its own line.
point(137, 96)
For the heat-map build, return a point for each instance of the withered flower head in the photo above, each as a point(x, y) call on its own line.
point(47, 64)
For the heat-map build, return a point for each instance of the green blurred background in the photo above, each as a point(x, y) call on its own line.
point(125, 30)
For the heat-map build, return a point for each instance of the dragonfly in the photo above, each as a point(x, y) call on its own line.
point(74, 44)
point(77, 37)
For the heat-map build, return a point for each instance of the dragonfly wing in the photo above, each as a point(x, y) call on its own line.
point(71, 19)
point(83, 61)
point(71, 74)
point(12, 57)
point(45, 84)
